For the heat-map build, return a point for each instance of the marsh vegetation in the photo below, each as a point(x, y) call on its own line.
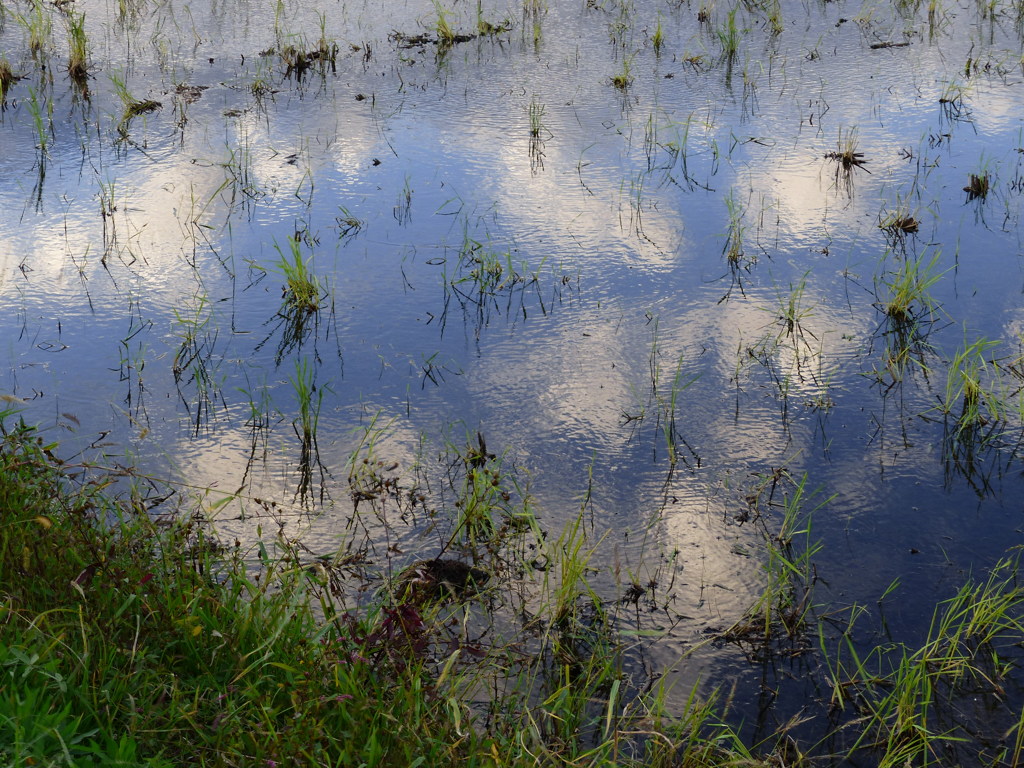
point(592, 383)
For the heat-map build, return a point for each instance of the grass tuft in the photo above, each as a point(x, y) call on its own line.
point(302, 291)
point(7, 78)
point(77, 45)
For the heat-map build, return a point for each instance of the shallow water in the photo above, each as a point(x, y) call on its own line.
point(127, 249)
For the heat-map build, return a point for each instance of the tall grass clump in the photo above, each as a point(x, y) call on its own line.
point(976, 406)
point(131, 107)
point(302, 292)
point(848, 158)
point(7, 78)
point(907, 289)
point(77, 47)
point(39, 28)
point(667, 400)
point(300, 55)
point(733, 248)
point(446, 36)
point(42, 123)
point(729, 35)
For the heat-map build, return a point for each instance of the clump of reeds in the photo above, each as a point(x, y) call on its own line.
point(978, 186)
point(7, 78)
point(785, 601)
point(658, 37)
point(77, 48)
point(446, 36)
point(846, 154)
point(298, 59)
point(733, 248)
point(487, 28)
point(898, 224)
point(302, 292)
point(729, 35)
point(909, 287)
point(299, 56)
point(536, 112)
point(132, 107)
point(624, 78)
point(39, 28)
point(974, 399)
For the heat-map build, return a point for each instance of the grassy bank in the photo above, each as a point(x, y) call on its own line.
point(130, 636)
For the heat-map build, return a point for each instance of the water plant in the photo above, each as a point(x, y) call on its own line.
point(907, 288)
point(446, 36)
point(666, 399)
point(785, 599)
point(536, 114)
point(131, 107)
point(7, 78)
point(978, 186)
point(623, 79)
point(792, 311)
point(668, 412)
point(402, 210)
point(898, 223)
point(349, 225)
point(733, 249)
point(538, 130)
point(39, 28)
point(774, 13)
point(953, 99)
point(971, 396)
point(658, 37)
point(485, 27)
point(729, 35)
point(309, 398)
point(847, 158)
point(77, 48)
point(303, 293)
point(40, 123)
point(299, 55)
point(196, 360)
